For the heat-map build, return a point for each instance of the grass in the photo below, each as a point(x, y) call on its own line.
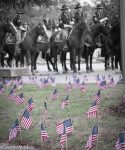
point(109, 125)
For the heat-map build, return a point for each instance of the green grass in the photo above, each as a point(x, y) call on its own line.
point(109, 125)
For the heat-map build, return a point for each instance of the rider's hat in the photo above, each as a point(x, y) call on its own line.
point(99, 6)
point(78, 6)
point(64, 7)
point(20, 12)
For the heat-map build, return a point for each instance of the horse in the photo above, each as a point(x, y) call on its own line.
point(90, 43)
point(5, 28)
point(29, 42)
point(115, 43)
point(73, 43)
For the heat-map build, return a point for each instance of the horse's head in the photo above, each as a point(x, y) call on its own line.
point(41, 30)
point(10, 28)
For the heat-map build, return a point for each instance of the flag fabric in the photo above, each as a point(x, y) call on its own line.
point(92, 112)
point(68, 126)
point(68, 87)
point(14, 87)
point(111, 83)
point(46, 82)
point(77, 83)
point(60, 128)
point(98, 80)
point(31, 105)
point(65, 102)
point(45, 113)
point(98, 97)
point(63, 140)
point(55, 94)
point(2, 90)
point(83, 87)
point(120, 144)
point(44, 134)
point(92, 138)
point(26, 120)
point(103, 85)
point(52, 81)
point(8, 82)
point(20, 85)
point(11, 95)
point(14, 130)
point(19, 99)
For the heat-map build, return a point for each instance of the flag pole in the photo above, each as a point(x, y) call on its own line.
point(21, 137)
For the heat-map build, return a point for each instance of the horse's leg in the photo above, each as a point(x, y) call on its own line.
point(87, 58)
point(112, 61)
point(91, 57)
point(2, 59)
point(74, 60)
point(47, 61)
point(35, 60)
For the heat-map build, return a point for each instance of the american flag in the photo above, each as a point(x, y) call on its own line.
point(44, 134)
point(55, 94)
point(65, 102)
point(77, 83)
point(98, 97)
point(111, 82)
point(68, 126)
point(60, 128)
point(46, 82)
point(2, 90)
point(14, 130)
point(63, 140)
point(19, 99)
point(26, 120)
point(120, 144)
point(31, 105)
point(8, 82)
point(52, 81)
point(11, 95)
point(20, 84)
point(14, 87)
point(103, 85)
point(98, 79)
point(92, 112)
point(68, 87)
point(83, 87)
point(92, 138)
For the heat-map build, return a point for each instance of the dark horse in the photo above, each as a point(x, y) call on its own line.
point(29, 42)
point(5, 28)
point(115, 43)
point(90, 42)
point(73, 42)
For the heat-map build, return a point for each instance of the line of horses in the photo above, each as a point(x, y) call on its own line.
point(30, 48)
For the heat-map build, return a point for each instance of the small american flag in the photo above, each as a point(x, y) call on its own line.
point(92, 138)
point(103, 85)
point(92, 112)
point(55, 94)
point(8, 82)
point(44, 134)
point(20, 85)
point(98, 97)
point(26, 120)
point(14, 130)
point(63, 140)
point(77, 83)
point(68, 126)
point(111, 82)
point(11, 95)
point(68, 87)
point(120, 144)
point(2, 90)
point(31, 105)
point(14, 87)
point(65, 102)
point(52, 81)
point(98, 79)
point(19, 99)
point(46, 82)
point(83, 87)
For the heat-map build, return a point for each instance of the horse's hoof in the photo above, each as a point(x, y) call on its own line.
point(49, 70)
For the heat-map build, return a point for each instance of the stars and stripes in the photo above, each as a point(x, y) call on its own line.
point(65, 102)
point(68, 126)
point(26, 120)
point(68, 87)
point(63, 139)
point(92, 112)
point(98, 80)
point(103, 85)
point(92, 138)
point(83, 87)
point(11, 95)
point(31, 105)
point(60, 128)
point(44, 134)
point(120, 144)
point(2, 90)
point(111, 83)
point(14, 130)
point(98, 97)
point(19, 99)
point(55, 94)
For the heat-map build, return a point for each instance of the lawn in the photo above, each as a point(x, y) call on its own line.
point(110, 124)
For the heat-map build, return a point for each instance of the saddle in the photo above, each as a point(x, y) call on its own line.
point(64, 34)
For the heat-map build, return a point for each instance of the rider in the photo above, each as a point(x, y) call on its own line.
point(64, 22)
point(98, 14)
